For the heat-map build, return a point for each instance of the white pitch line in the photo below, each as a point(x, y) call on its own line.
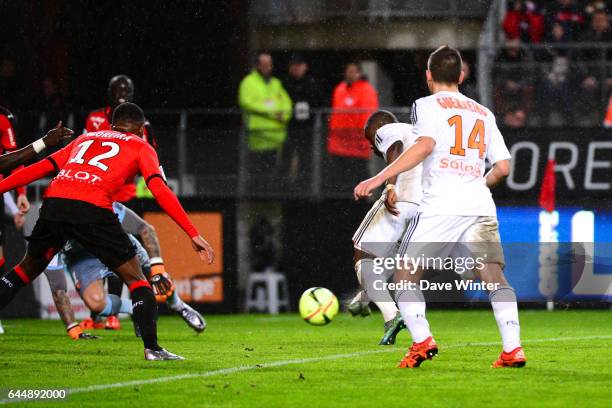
point(237, 369)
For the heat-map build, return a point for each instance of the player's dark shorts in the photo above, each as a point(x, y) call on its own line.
point(97, 229)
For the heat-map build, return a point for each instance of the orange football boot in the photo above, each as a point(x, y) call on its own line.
point(419, 352)
point(515, 358)
point(112, 323)
point(89, 324)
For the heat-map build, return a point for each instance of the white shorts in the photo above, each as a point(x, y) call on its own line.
point(380, 232)
point(446, 236)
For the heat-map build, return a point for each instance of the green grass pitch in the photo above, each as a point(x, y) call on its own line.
point(256, 360)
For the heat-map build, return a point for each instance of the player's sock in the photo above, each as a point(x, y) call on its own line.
point(114, 285)
point(115, 305)
point(11, 283)
point(505, 309)
point(175, 302)
point(361, 296)
point(382, 298)
point(412, 307)
point(144, 313)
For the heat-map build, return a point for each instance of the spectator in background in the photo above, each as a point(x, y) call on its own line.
point(468, 86)
point(524, 21)
point(353, 100)
point(512, 85)
point(566, 14)
point(267, 109)
point(594, 88)
point(304, 92)
point(10, 89)
point(557, 103)
point(53, 105)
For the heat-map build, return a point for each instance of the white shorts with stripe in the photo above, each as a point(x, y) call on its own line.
point(380, 231)
point(446, 235)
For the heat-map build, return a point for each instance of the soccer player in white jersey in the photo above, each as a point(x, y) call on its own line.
point(385, 223)
point(454, 137)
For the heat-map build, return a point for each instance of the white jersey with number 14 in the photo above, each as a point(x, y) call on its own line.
point(466, 135)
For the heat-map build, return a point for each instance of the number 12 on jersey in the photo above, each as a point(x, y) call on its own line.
point(96, 160)
point(476, 140)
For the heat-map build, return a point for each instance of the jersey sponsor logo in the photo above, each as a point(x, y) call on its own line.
point(461, 166)
point(82, 176)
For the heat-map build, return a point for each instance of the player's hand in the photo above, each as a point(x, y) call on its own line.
point(203, 248)
point(57, 135)
point(390, 202)
point(365, 188)
point(23, 204)
point(19, 220)
point(162, 286)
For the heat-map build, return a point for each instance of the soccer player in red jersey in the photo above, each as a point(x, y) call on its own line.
point(78, 205)
point(120, 90)
point(14, 159)
point(8, 143)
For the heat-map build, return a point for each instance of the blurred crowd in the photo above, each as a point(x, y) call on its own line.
point(280, 123)
point(555, 68)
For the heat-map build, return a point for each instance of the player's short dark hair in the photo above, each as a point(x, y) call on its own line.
point(445, 65)
point(128, 112)
point(380, 118)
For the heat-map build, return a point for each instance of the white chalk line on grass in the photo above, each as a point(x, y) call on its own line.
point(238, 369)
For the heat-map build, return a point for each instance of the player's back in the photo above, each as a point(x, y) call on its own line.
point(466, 135)
point(409, 182)
point(96, 165)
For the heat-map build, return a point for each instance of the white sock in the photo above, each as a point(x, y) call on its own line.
point(412, 307)
point(505, 309)
point(388, 310)
point(361, 296)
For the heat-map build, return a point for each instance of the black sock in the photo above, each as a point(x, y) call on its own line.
point(10, 284)
point(115, 285)
point(144, 312)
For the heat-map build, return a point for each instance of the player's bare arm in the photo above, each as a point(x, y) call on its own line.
point(19, 157)
point(150, 242)
point(406, 161)
point(393, 153)
point(498, 173)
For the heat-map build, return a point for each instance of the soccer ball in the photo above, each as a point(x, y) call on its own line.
point(318, 306)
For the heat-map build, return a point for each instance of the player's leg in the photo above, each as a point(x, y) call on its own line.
point(110, 244)
point(20, 276)
point(191, 316)
point(2, 262)
point(144, 309)
point(375, 237)
point(46, 240)
point(101, 303)
point(194, 319)
point(425, 236)
point(59, 291)
point(359, 304)
point(485, 236)
point(505, 310)
point(115, 288)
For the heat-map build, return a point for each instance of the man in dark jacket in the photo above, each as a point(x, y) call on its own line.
point(304, 92)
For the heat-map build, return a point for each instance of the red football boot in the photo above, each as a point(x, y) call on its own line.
point(419, 352)
point(90, 324)
point(112, 323)
point(515, 358)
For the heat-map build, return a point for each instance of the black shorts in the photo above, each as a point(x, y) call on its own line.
point(97, 229)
